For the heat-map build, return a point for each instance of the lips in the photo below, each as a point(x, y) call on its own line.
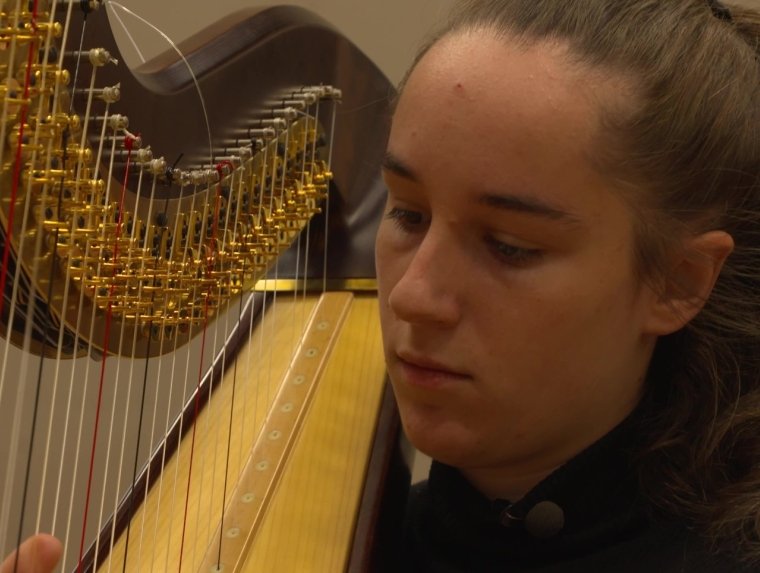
point(426, 372)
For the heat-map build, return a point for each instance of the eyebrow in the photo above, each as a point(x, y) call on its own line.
point(396, 166)
point(529, 205)
point(501, 201)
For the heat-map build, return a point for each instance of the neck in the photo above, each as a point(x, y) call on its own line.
point(506, 484)
point(511, 480)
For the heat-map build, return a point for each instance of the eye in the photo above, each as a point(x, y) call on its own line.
point(406, 219)
point(512, 254)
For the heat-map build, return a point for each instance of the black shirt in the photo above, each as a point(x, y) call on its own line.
point(586, 517)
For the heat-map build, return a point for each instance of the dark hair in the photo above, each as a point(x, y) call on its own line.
point(688, 148)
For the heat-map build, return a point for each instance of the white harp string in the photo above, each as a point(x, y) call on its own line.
point(58, 356)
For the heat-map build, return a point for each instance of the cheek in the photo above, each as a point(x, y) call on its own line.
point(561, 321)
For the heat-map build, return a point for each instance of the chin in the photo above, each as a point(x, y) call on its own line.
point(438, 436)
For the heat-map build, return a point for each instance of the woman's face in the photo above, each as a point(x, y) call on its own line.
point(515, 330)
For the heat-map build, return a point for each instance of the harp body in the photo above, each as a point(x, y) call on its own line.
point(141, 436)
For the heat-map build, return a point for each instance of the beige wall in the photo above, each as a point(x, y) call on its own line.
point(388, 31)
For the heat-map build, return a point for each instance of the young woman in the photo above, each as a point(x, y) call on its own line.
point(569, 274)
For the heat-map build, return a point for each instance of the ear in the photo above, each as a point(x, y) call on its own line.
point(689, 281)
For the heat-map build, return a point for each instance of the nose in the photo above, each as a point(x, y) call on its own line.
point(427, 290)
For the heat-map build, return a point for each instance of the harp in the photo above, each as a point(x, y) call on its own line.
point(179, 390)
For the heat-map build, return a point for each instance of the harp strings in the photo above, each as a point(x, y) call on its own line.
point(114, 257)
point(213, 246)
point(15, 426)
point(116, 254)
point(90, 91)
point(114, 134)
point(35, 146)
point(59, 346)
point(168, 417)
point(219, 242)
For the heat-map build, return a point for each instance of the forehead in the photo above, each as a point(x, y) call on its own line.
point(481, 55)
point(495, 103)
